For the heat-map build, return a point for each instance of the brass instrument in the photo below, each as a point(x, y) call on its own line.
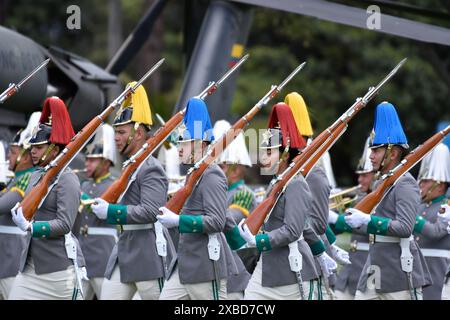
point(339, 202)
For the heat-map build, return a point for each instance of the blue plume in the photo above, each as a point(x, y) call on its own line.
point(387, 126)
point(197, 121)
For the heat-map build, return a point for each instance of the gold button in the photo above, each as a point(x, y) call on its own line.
point(262, 240)
point(264, 248)
point(424, 213)
point(43, 236)
point(43, 228)
point(195, 222)
point(417, 222)
point(417, 238)
point(379, 222)
point(195, 230)
point(378, 231)
point(118, 220)
point(119, 212)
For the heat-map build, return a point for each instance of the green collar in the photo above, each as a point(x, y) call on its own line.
point(236, 184)
point(100, 179)
point(22, 172)
point(438, 199)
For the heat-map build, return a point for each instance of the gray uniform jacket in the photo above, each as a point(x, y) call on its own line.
point(434, 236)
point(320, 190)
point(59, 209)
point(135, 252)
point(285, 225)
point(237, 282)
point(10, 244)
point(209, 200)
point(348, 276)
point(96, 248)
point(400, 204)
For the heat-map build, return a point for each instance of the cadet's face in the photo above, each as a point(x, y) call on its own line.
point(269, 158)
point(37, 152)
point(13, 153)
point(365, 181)
point(376, 157)
point(425, 185)
point(186, 152)
point(121, 135)
point(91, 164)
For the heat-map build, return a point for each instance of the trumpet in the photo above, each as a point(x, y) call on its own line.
point(339, 202)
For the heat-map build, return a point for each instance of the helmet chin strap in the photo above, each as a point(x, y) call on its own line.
point(130, 137)
point(432, 188)
point(46, 153)
point(386, 156)
point(95, 173)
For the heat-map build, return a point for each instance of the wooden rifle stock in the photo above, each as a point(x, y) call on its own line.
point(306, 160)
point(368, 203)
point(114, 191)
point(176, 203)
point(32, 200)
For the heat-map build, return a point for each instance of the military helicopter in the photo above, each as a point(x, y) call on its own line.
point(215, 35)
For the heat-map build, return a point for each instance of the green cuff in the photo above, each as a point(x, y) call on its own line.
point(420, 223)
point(317, 247)
point(85, 196)
point(41, 229)
point(378, 225)
point(190, 224)
point(263, 242)
point(341, 225)
point(234, 239)
point(117, 214)
point(330, 235)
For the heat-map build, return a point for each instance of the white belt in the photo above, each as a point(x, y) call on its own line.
point(362, 246)
point(132, 227)
point(12, 230)
point(95, 231)
point(386, 239)
point(438, 253)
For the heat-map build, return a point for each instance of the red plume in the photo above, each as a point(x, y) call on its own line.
point(281, 116)
point(62, 130)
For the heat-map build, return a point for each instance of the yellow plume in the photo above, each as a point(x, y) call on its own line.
point(141, 106)
point(300, 112)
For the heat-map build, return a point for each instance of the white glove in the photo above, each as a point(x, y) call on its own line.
point(168, 218)
point(356, 218)
point(340, 255)
point(327, 265)
point(332, 217)
point(448, 227)
point(19, 219)
point(446, 215)
point(83, 272)
point(245, 233)
point(100, 208)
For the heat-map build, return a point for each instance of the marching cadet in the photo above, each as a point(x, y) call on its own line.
point(137, 262)
point(10, 235)
point(348, 276)
point(96, 237)
point(276, 275)
point(395, 269)
point(48, 268)
point(204, 259)
point(431, 227)
point(320, 190)
point(240, 201)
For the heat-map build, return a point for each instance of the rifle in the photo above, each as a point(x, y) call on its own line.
point(13, 88)
point(310, 155)
point(130, 167)
point(179, 198)
point(388, 180)
point(39, 192)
